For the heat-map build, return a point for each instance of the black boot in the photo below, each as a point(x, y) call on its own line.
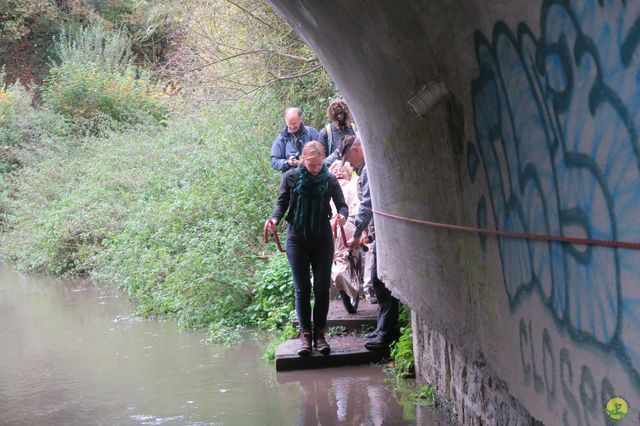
point(319, 342)
point(305, 343)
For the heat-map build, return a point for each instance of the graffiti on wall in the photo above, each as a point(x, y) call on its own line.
point(551, 371)
point(556, 119)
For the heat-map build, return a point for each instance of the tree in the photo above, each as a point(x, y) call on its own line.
point(20, 20)
point(235, 48)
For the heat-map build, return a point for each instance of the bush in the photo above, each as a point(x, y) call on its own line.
point(21, 19)
point(273, 305)
point(402, 349)
point(312, 94)
point(22, 127)
point(66, 203)
point(95, 86)
point(4, 201)
point(187, 250)
point(15, 110)
point(152, 26)
point(96, 45)
point(402, 354)
point(99, 98)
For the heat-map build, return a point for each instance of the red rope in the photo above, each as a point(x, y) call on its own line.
point(509, 234)
point(335, 233)
point(363, 242)
point(275, 237)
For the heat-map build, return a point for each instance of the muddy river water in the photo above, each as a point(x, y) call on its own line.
point(71, 353)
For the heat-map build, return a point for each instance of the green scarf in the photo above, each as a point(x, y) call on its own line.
point(310, 192)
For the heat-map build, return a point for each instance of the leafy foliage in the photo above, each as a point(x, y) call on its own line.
point(20, 19)
point(286, 333)
point(12, 107)
point(98, 98)
point(402, 354)
point(425, 395)
point(402, 349)
point(95, 86)
point(23, 128)
point(150, 25)
point(96, 45)
point(4, 201)
point(272, 305)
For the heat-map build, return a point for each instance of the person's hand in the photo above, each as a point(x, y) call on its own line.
point(271, 225)
point(341, 219)
point(293, 161)
point(354, 242)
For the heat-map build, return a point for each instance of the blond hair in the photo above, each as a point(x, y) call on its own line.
point(311, 150)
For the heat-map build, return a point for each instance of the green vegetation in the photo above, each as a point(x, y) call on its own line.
point(402, 349)
point(272, 307)
point(409, 394)
point(95, 85)
point(402, 354)
point(425, 395)
point(111, 171)
point(150, 209)
point(401, 370)
point(286, 333)
point(20, 19)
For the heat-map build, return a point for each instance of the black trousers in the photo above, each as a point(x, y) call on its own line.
point(388, 306)
point(304, 256)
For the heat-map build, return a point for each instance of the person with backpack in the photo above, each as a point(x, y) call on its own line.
point(287, 147)
point(340, 124)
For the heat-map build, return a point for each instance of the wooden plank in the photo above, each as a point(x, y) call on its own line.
point(345, 350)
point(366, 316)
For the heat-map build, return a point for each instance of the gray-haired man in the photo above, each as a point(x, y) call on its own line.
point(351, 150)
point(286, 149)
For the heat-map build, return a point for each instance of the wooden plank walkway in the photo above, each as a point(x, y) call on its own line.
point(347, 349)
point(364, 318)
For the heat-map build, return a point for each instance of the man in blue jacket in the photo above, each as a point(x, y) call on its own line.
point(287, 147)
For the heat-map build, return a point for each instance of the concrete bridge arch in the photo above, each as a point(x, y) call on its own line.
point(521, 116)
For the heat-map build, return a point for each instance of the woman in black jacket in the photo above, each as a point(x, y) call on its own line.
point(305, 193)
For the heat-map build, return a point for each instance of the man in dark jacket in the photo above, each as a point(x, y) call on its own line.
point(351, 150)
point(287, 147)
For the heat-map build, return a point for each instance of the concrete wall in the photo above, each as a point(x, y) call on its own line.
point(539, 134)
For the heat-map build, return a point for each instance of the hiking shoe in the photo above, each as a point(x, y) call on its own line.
point(305, 343)
point(370, 295)
point(371, 335)
point(376, 344)
point(320, 343)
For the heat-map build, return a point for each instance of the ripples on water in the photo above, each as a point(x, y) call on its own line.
point(72, 354)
